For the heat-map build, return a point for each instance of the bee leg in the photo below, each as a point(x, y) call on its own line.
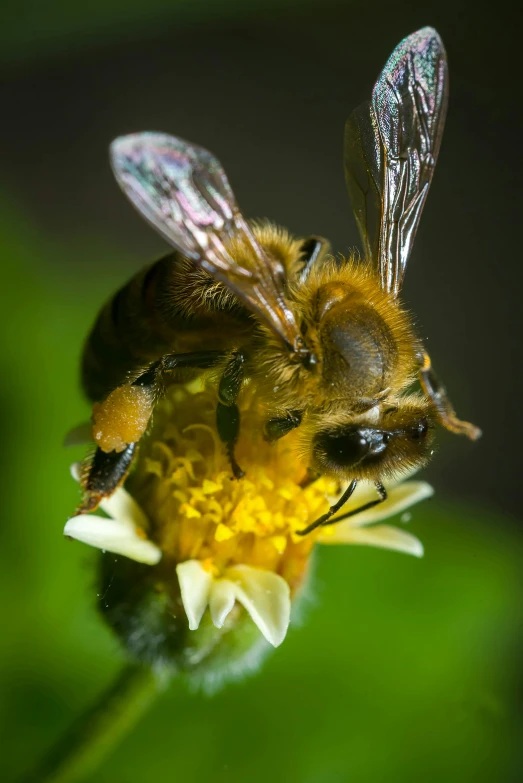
point(109, 469)
point(227, 412)
point(200, 360)
point(438, 394)
point(277, 428)
point(382, 492)
point(324, 519)
point(313, 250)
point(106, 472)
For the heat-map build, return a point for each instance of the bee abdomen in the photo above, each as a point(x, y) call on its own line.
point(172, 306)
point(129, 332)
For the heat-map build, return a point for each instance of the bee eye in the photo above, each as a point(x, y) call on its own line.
point(418, 431)
point(344, 448)
point(348, 447)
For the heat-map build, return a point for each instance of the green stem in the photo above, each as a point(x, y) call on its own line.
point(91, 738)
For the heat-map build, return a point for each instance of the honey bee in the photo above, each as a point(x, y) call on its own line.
point(325, 342)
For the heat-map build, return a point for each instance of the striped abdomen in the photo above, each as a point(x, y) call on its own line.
point(169, 307)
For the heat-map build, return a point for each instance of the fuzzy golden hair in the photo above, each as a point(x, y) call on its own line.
point(362, 339)
point(352, 281)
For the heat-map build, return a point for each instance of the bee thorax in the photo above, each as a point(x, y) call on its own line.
point(359, 350)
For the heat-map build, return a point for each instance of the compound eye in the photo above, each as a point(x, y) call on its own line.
point(419, 430)
point(343, 449)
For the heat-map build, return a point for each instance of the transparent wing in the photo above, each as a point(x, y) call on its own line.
point(391, 147)
point(183, 192)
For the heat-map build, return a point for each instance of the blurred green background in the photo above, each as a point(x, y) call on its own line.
point(402, 670)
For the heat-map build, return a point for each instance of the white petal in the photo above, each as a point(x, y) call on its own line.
point(401, 497)
point(75, 469)
point(114, 536)
point(195, 586)
point(383, 536)
point(122, 505)
point(266, 596)
point(223, 596)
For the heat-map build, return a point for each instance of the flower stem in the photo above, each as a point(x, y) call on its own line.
point(94, 734)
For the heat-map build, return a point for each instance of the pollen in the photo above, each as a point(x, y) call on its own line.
point(122, 417)
point(198, 510)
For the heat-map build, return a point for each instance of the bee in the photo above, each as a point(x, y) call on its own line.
point(324, 341)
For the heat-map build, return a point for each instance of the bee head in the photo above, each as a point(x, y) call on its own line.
point(401, 438)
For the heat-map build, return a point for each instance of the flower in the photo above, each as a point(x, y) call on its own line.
point(122, 531)
point(221, 542)
point(265, 595)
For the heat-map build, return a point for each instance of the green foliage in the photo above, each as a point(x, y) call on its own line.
point(402, 670)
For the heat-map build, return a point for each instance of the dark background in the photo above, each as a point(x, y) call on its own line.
point(403, 670)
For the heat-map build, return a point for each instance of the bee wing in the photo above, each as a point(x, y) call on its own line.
point(391, 147)
point(183, 192)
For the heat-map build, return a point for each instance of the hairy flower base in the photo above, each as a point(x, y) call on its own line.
point(207, 540)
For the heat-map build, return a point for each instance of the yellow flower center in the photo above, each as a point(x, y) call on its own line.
point(184, 483)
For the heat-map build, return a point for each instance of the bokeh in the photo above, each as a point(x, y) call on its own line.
point(399, 670)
